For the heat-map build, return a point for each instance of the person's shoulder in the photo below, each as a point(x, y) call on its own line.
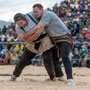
point(30, 13)
point(16, 27)
point(47, 11)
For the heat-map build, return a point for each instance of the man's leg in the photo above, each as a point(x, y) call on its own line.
point(57, 66)
point(65, 49)
point(48, 62)
point(24, 60)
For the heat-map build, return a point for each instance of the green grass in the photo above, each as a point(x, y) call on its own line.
point(5, 74)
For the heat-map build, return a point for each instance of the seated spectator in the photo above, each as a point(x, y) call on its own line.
point(9, 45)
point(19, 47)
point(5, 39)
point(74, 39)
point(85, 31)
point(80, 46)
point(2, 57)
point(83, 49)
point(79, 40)
point(20, 52)
point(84, 59)
point(73, 32)
point(75, 58)
point(37, 60)
point(5, 49)
point(8, 57)
point(15, 56)
point(1, 47)
point(88, 47)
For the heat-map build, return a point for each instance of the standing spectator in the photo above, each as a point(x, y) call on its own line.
point(1, 47)
point(88, 47)
point(76, 26)
point(4, 29)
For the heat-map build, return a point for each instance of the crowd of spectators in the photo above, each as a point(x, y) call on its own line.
point(75, 14)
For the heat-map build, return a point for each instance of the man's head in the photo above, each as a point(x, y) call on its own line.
point(20, 19)
point(38, 10)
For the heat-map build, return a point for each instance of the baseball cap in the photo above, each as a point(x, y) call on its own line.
point(19, 16)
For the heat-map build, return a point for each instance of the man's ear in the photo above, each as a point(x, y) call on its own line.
point(26, 20)
point(42, 9)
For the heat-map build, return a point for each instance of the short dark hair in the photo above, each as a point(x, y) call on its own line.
point(38, 5)
point(19, 16)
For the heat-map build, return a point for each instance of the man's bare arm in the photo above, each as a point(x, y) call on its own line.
point(38, 30)
point(20, 37)
point(31, 32)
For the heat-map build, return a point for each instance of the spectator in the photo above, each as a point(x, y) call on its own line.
point(4, 29)
point(8, 57)
point(15, 56)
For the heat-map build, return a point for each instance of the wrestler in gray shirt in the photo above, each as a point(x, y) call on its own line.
point(55, 26)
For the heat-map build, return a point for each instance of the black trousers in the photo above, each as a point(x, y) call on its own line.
point(64, 51)
point(51, 60)
point(51, 63)
point(25, 59)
